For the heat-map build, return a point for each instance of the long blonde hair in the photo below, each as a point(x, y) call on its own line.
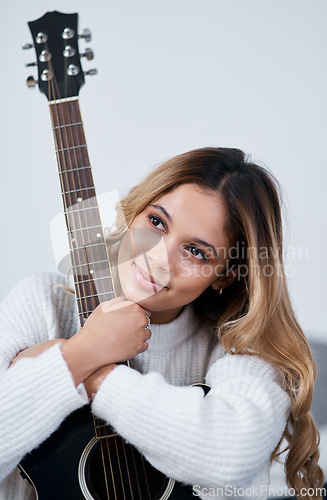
point(254, 315)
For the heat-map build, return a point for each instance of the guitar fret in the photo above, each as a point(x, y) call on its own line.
point(94, 279)
point(106, 436)
point(67, 212)
point(83, 313)
point(77, 190)
point(83, 228)
point(73, 169)
point(86, 246)
point(103, 426)
point(67, 125)
point(96, 295)
point(71, 147)
point(90, 263)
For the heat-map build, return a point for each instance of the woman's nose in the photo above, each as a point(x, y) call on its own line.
point(158, 255)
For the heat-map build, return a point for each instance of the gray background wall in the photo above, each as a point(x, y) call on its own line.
point(176, 75)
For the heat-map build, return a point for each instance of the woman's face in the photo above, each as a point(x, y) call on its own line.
point(173, 251)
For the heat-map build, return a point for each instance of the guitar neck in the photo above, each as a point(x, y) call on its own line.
point(90, 263)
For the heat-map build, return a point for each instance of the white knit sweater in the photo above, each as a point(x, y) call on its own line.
point(223, 440)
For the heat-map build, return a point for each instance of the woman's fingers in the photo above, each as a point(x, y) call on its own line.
point(109, 305)
point(145, 346)
point(118, 303)
point(147, 334)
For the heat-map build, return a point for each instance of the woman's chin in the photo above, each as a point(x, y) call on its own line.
point(145, 298)
point(136, 293)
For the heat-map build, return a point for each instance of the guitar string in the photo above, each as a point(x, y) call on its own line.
point(60, 160)
point(91, 300)
point(146, 259)
point(106, 427)
point(56, 122)
point(145, 475)
point(78, 288)
point(78, 285)
point(77, 119)
point(72, 119)
point(119, 467)
point(56, 107)
point(63, 160)
point(104, 436)
point(99, 427)
point(131, 448)
point(136, 474)
point(142, 456)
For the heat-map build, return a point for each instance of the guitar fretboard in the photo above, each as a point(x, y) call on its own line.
point(91, 269)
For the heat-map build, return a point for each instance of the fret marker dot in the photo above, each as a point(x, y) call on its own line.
point(91, 271)
point(79, 199)
point(98, 235)
point(73, 240)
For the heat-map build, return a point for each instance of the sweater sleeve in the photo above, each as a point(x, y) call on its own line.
point(225, 438)
point(36, 393)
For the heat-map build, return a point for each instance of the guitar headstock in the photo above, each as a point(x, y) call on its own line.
point(55, 39)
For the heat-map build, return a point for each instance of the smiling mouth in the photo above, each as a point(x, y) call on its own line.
point(145, 280)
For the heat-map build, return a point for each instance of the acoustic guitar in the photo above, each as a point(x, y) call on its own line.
point(84, 458)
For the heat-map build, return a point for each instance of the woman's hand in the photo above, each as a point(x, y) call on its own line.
point(93, 382)
point(114, 332)
point(37, 349)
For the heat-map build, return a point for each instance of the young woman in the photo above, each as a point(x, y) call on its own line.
point(199, 251)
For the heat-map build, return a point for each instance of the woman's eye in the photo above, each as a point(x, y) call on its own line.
point(198, 253)
point(157, 222)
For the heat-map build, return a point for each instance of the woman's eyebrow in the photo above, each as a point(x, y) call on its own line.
point(206, 244)
point(196, 240)
point(162, 209)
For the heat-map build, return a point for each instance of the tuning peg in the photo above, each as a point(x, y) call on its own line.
point(28, 65)
point(86, 35)
point(91, 72)
point(26, 46)
point(30, 82)
point(88, 54)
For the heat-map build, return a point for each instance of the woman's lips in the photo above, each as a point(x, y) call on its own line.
point(142, 278)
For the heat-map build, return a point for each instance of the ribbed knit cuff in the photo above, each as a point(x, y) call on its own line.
point(116, 386)
point(43, 394)
point(56, 379)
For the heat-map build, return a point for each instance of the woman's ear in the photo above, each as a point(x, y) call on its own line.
point(216, 284)
point(226, 280)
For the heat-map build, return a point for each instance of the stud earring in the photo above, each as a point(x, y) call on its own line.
point(220, 291)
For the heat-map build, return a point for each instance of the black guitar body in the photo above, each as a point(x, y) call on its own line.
point(69, 466)
point(60, 453)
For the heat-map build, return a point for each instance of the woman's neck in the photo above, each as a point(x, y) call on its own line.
point(160, 317)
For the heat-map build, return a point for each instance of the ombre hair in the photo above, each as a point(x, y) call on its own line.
point(254, 315)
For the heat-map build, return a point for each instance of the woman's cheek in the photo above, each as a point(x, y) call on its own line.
point(186, 270)
point(198, 271)
point(194, 279)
